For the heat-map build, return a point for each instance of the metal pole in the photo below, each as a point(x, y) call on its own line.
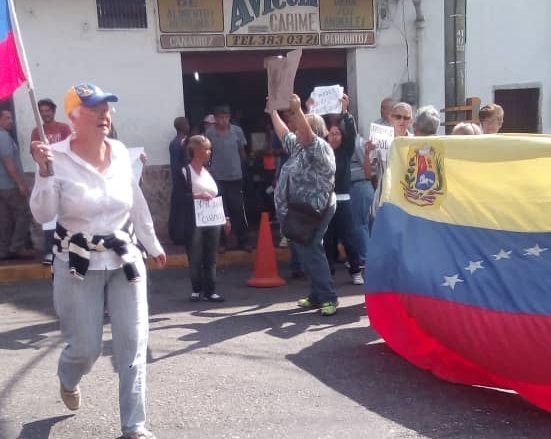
point(454, 29)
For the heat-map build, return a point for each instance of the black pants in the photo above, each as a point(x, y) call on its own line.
point(202, 259)
point(232, 197)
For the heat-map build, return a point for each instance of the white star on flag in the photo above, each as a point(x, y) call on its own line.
point(450, 281)
point(503, 254)
point(473, 266)
point(534, 251)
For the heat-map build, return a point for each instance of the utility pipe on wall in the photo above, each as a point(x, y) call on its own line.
point(419, 26)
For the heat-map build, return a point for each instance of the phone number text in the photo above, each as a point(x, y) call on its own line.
point(264, 40)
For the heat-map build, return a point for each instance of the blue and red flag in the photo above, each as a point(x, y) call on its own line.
point(11, 73)
point(459, 265)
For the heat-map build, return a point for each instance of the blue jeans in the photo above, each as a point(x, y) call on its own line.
point(79, 306)
point(294, 264)
point(312, 256)
point(202, 259)
point(361, 198)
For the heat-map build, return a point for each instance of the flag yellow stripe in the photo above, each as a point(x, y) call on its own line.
point(496, 181)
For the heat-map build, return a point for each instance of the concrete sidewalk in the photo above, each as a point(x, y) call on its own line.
point(255, 366)
point(13, 271)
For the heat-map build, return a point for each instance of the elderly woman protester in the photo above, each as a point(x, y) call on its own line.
point(201, 242)
point(341, 138)
point(101, 215)
point(427, 121)
point(308, 176)
point(400, 118)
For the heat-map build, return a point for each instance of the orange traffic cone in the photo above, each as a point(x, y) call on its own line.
point(265, 265)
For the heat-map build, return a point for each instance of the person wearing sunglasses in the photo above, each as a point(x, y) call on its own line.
point(400, 118)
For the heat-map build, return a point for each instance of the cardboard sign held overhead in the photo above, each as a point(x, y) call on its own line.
point(281, 79)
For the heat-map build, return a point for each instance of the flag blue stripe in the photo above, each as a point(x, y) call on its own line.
point(5, 24)
point(492, 269)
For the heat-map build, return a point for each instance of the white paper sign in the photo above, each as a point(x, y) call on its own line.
point(381, 136)
point(327, 100)
point(136, 162)
point(209, 212)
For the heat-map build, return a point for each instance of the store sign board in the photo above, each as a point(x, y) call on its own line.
point(248, 24)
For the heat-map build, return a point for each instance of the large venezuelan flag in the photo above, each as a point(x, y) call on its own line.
point(11, 73)
point(459, 265)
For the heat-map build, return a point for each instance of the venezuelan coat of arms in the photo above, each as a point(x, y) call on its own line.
point(424, 182)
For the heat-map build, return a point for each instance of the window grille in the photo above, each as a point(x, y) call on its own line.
point(121, 14)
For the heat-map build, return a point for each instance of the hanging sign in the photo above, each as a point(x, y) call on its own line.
point(249, 24)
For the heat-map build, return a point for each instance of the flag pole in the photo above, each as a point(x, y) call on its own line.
point(30, 85)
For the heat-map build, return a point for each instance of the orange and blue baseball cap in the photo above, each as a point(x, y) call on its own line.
point(86, 94)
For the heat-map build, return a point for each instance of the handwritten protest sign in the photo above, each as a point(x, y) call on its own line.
point(381, 136)
point(327, 100)
point(209, 212)
point(281, 79)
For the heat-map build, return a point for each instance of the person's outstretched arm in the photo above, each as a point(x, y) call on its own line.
point(279, 126)
point(305, 135)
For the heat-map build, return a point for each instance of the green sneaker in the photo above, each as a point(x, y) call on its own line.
point(306, 303)
point(328, 308)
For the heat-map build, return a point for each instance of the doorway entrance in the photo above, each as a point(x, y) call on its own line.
point(238, 79)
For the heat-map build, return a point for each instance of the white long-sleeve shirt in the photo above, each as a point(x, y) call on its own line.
point(89, 202)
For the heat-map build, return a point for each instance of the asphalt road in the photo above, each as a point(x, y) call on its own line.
point(253, 367)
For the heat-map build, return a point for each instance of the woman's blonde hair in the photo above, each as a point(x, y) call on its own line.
point(194, 143)
point(317, 124)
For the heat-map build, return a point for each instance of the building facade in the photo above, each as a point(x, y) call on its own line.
point(167, 58)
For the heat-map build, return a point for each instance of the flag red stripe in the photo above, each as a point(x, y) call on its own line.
point(11, 73)
point(468, 345)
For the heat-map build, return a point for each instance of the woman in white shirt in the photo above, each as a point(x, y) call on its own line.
point(202, 242)
point(101, 211)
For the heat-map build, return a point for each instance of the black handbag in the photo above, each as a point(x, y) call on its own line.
point(302, 220)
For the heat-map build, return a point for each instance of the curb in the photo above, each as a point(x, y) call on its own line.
point(36, 271)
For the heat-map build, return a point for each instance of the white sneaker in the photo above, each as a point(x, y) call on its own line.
point(283, 243)
point(357, 279)
point(140, 433)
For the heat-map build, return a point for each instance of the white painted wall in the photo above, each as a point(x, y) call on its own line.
point(508, 47)
point(65, 47)
point(381, 70)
